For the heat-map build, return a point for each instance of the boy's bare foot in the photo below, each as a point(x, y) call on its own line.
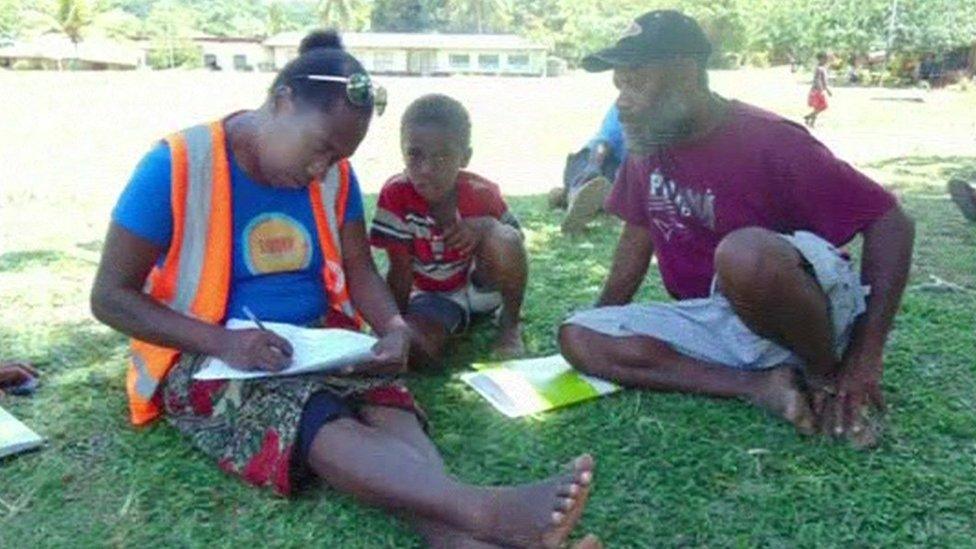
point(540, 515)
point(780, 394)
point(508, 343)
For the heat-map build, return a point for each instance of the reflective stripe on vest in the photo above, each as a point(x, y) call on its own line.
point(198, 257)
point(334, 190)
point(195, 276)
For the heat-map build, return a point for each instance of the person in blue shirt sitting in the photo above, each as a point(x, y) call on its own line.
point(589, 174)
point(964, 195)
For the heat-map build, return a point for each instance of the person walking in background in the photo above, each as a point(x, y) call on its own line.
point(817, 100)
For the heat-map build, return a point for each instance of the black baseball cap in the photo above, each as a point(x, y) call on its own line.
point(655, 35)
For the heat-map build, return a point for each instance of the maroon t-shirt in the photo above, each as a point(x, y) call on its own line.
point(756, 169)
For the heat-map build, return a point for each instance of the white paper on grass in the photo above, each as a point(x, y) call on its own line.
point(315, 350)
point(15, 436)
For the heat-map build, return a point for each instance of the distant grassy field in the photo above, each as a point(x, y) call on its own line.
point(672, 470)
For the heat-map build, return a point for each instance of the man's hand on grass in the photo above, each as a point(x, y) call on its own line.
point(844, 406)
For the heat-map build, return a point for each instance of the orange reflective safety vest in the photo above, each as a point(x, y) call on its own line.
point(194, 278)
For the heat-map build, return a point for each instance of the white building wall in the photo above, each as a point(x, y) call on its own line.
point(381, 60)
point(225, 52)
point(513, 62)
point(280, 56)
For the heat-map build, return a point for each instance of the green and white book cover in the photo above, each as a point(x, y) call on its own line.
point(523, 387)
point(15, 436)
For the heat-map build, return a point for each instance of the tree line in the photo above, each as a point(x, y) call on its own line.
point(743, 31)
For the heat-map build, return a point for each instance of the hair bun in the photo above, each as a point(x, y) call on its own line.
point(326, 39)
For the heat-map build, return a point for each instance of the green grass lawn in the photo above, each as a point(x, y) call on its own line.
point(671, 470)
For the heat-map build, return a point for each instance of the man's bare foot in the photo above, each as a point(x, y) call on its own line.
point(863, 433)
point(543, 514)
point(780, 394)
point(508, 342)
point(589, 542)
point(866, 434)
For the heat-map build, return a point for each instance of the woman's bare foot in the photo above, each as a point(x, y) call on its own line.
point(780, 394)
point(508, 342)
point(543, 514)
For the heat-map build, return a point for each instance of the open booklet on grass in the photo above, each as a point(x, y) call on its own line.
point(519, 388)
point(16, 437)
point(315, 350)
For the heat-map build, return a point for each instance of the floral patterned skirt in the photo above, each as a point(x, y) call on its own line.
point(250, 427)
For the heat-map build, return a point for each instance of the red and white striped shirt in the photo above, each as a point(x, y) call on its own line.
point(403, 222)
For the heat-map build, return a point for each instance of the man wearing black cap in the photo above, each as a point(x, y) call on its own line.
point(745, 212)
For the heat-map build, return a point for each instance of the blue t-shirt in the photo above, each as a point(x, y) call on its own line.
point(277, 259)
point(612, 133)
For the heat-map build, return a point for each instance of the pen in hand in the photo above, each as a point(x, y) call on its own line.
point(254, 318)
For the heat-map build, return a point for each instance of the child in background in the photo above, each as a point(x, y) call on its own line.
point(455, 249)
point(817, 100)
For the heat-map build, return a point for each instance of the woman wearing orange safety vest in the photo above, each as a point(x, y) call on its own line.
point(262, 211)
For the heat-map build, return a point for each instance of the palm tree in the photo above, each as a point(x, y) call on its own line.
point(276, 18)
point(72, 18)
point(478, 13)
point(76, 18)
point(338, 13)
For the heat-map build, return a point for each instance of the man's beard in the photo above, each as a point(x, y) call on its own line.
point(669, 122)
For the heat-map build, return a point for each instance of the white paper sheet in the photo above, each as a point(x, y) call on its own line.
point(315, 350)
point(15, 436)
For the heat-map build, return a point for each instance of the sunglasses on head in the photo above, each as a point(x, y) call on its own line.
point(359, 89)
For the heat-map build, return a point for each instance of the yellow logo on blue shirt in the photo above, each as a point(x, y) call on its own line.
point(276, 243)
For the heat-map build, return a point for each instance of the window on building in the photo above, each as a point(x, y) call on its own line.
point(384, 61)
point(459, 60)
point(210, 61)
point(488, 61)
point(240, 62)
point(519, 61)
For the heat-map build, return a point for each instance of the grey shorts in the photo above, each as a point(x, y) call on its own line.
point(708, 329)
point(454, 310)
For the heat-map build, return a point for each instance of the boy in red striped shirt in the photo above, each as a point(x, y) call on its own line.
point(455, 249)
